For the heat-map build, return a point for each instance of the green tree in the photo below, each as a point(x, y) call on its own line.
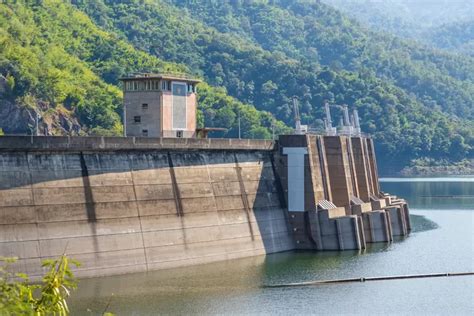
point(19, 297)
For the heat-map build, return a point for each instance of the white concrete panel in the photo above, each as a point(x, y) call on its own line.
point(295, 177)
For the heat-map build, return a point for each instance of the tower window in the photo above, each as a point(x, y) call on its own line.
point(166, 85)
point(144, 132)
point(145, 106)
point(137, 119)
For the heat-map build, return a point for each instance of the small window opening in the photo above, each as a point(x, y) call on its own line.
point(179, 134)
point(190, 88)
point(145, 132)
point(145, 106)
point(137, 119)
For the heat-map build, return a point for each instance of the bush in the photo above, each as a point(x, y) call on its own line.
point(19, 297)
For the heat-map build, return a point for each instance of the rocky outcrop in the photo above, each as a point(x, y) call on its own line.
point(20, 119)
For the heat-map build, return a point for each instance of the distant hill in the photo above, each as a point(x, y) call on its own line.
point(406, 18)
point(443, 24)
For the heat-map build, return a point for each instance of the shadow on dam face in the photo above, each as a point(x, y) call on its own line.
point(136, 210)
point(89, 201)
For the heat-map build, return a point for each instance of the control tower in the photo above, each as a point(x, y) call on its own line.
point(159, 105)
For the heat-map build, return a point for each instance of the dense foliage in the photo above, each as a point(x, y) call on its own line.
point(19, 297)
point(417, 102)
point(52, 53)
point(265, 52)
point(315, 33)
point(457, 37)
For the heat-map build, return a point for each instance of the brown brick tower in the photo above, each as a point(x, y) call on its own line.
point(159, 105)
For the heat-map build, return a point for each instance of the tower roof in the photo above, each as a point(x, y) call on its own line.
point(164, 76)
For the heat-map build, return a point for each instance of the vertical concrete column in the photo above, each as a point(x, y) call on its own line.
point(350, 157)
point(324, 168)
point(317, 189)
point(368, 167)
point(373, 166)
point(296, 175)
point(339, 173)
point(361, 168)
point(293, 166)
point(289, 147)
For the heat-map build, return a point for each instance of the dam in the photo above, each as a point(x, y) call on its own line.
point(133, 204)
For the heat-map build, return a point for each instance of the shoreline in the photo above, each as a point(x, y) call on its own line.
point(462, 169)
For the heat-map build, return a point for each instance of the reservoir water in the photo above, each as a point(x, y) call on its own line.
point(442, 240)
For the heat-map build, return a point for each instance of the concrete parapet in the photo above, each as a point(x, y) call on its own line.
point(61, 143)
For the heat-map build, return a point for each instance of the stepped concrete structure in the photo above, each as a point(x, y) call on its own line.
point(134, 204)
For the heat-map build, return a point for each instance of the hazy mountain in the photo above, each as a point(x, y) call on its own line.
point(408, 18)
point(445, 24)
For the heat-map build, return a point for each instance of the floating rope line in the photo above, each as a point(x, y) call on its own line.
point(368, 279)
point(447, 196)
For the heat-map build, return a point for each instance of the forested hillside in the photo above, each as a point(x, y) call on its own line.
point(56, 62)
point(443, 24)
point(406, 18)
point(66, 57)
point(414, 100)
point(457, 37)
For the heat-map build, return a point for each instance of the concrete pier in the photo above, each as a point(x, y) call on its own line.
point(356, 212)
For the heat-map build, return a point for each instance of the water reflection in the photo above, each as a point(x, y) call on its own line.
point(425, 193)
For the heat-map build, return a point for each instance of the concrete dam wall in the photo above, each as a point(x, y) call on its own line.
point(122, 205)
